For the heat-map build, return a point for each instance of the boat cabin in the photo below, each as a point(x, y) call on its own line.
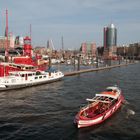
point(112, 92)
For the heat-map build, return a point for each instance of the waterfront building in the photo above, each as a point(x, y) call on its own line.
point(3, 42)
point(131, 50)
point(104, 36)
point(12, 41)
point(19, 41)
point(110, 36)
point(110, 41)
point(40, 50)
point(88, 49)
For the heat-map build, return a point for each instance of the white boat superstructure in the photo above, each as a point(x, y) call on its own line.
point(18, 79)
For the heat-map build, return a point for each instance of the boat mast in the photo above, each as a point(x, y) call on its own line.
point(62, 47)
point(7, 43)
point(31, 32)
point(62, 43)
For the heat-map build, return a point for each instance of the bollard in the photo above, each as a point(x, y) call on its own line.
point(78, 68)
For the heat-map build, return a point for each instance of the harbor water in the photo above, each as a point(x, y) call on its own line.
point(47, 112)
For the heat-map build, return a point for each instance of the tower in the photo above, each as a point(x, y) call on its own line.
point(27, 46)
point(110, 36)
point(110, 40)
point(104, 36)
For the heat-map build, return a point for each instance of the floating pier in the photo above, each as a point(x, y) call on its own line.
point(94, 69)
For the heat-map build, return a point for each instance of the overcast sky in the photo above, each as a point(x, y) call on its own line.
point(76, 20)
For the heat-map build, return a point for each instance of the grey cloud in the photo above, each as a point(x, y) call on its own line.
point(77, 20)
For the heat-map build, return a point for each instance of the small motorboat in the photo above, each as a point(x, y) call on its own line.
point(100, 108)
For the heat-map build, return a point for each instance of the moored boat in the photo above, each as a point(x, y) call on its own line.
point(27, 60)
point(100, 108)
point(18, 79)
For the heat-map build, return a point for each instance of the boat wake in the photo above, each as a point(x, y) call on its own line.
point(130, 112)
point(126, 102)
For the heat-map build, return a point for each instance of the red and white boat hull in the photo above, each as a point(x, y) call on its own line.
point(85, 122)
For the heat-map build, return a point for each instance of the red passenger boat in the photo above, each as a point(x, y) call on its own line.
point(100, 108)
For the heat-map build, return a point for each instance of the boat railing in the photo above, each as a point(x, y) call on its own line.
point(98, 101)
point(106, 101)
point(95, 98)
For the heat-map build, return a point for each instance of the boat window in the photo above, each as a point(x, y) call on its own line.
point(36, 77)
point(18, 67)
point(38, 73)
point(40, 77)
point(22, 75)
point(44, 76)
point(108, 89)
point(30, 74)
point(28, 42)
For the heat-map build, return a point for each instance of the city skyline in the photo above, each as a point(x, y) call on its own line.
point(77, 21)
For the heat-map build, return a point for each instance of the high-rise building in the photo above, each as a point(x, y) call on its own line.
point(104, 36)
point(110, 36)
point(110, 41)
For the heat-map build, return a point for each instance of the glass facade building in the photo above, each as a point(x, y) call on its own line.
point(110, 36)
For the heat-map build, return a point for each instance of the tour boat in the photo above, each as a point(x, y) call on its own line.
point(19, 79)
point(100, 108)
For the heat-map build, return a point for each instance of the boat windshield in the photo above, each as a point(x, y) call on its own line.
point(109, 90)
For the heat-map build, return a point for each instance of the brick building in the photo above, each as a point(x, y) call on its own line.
point(88, 49)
